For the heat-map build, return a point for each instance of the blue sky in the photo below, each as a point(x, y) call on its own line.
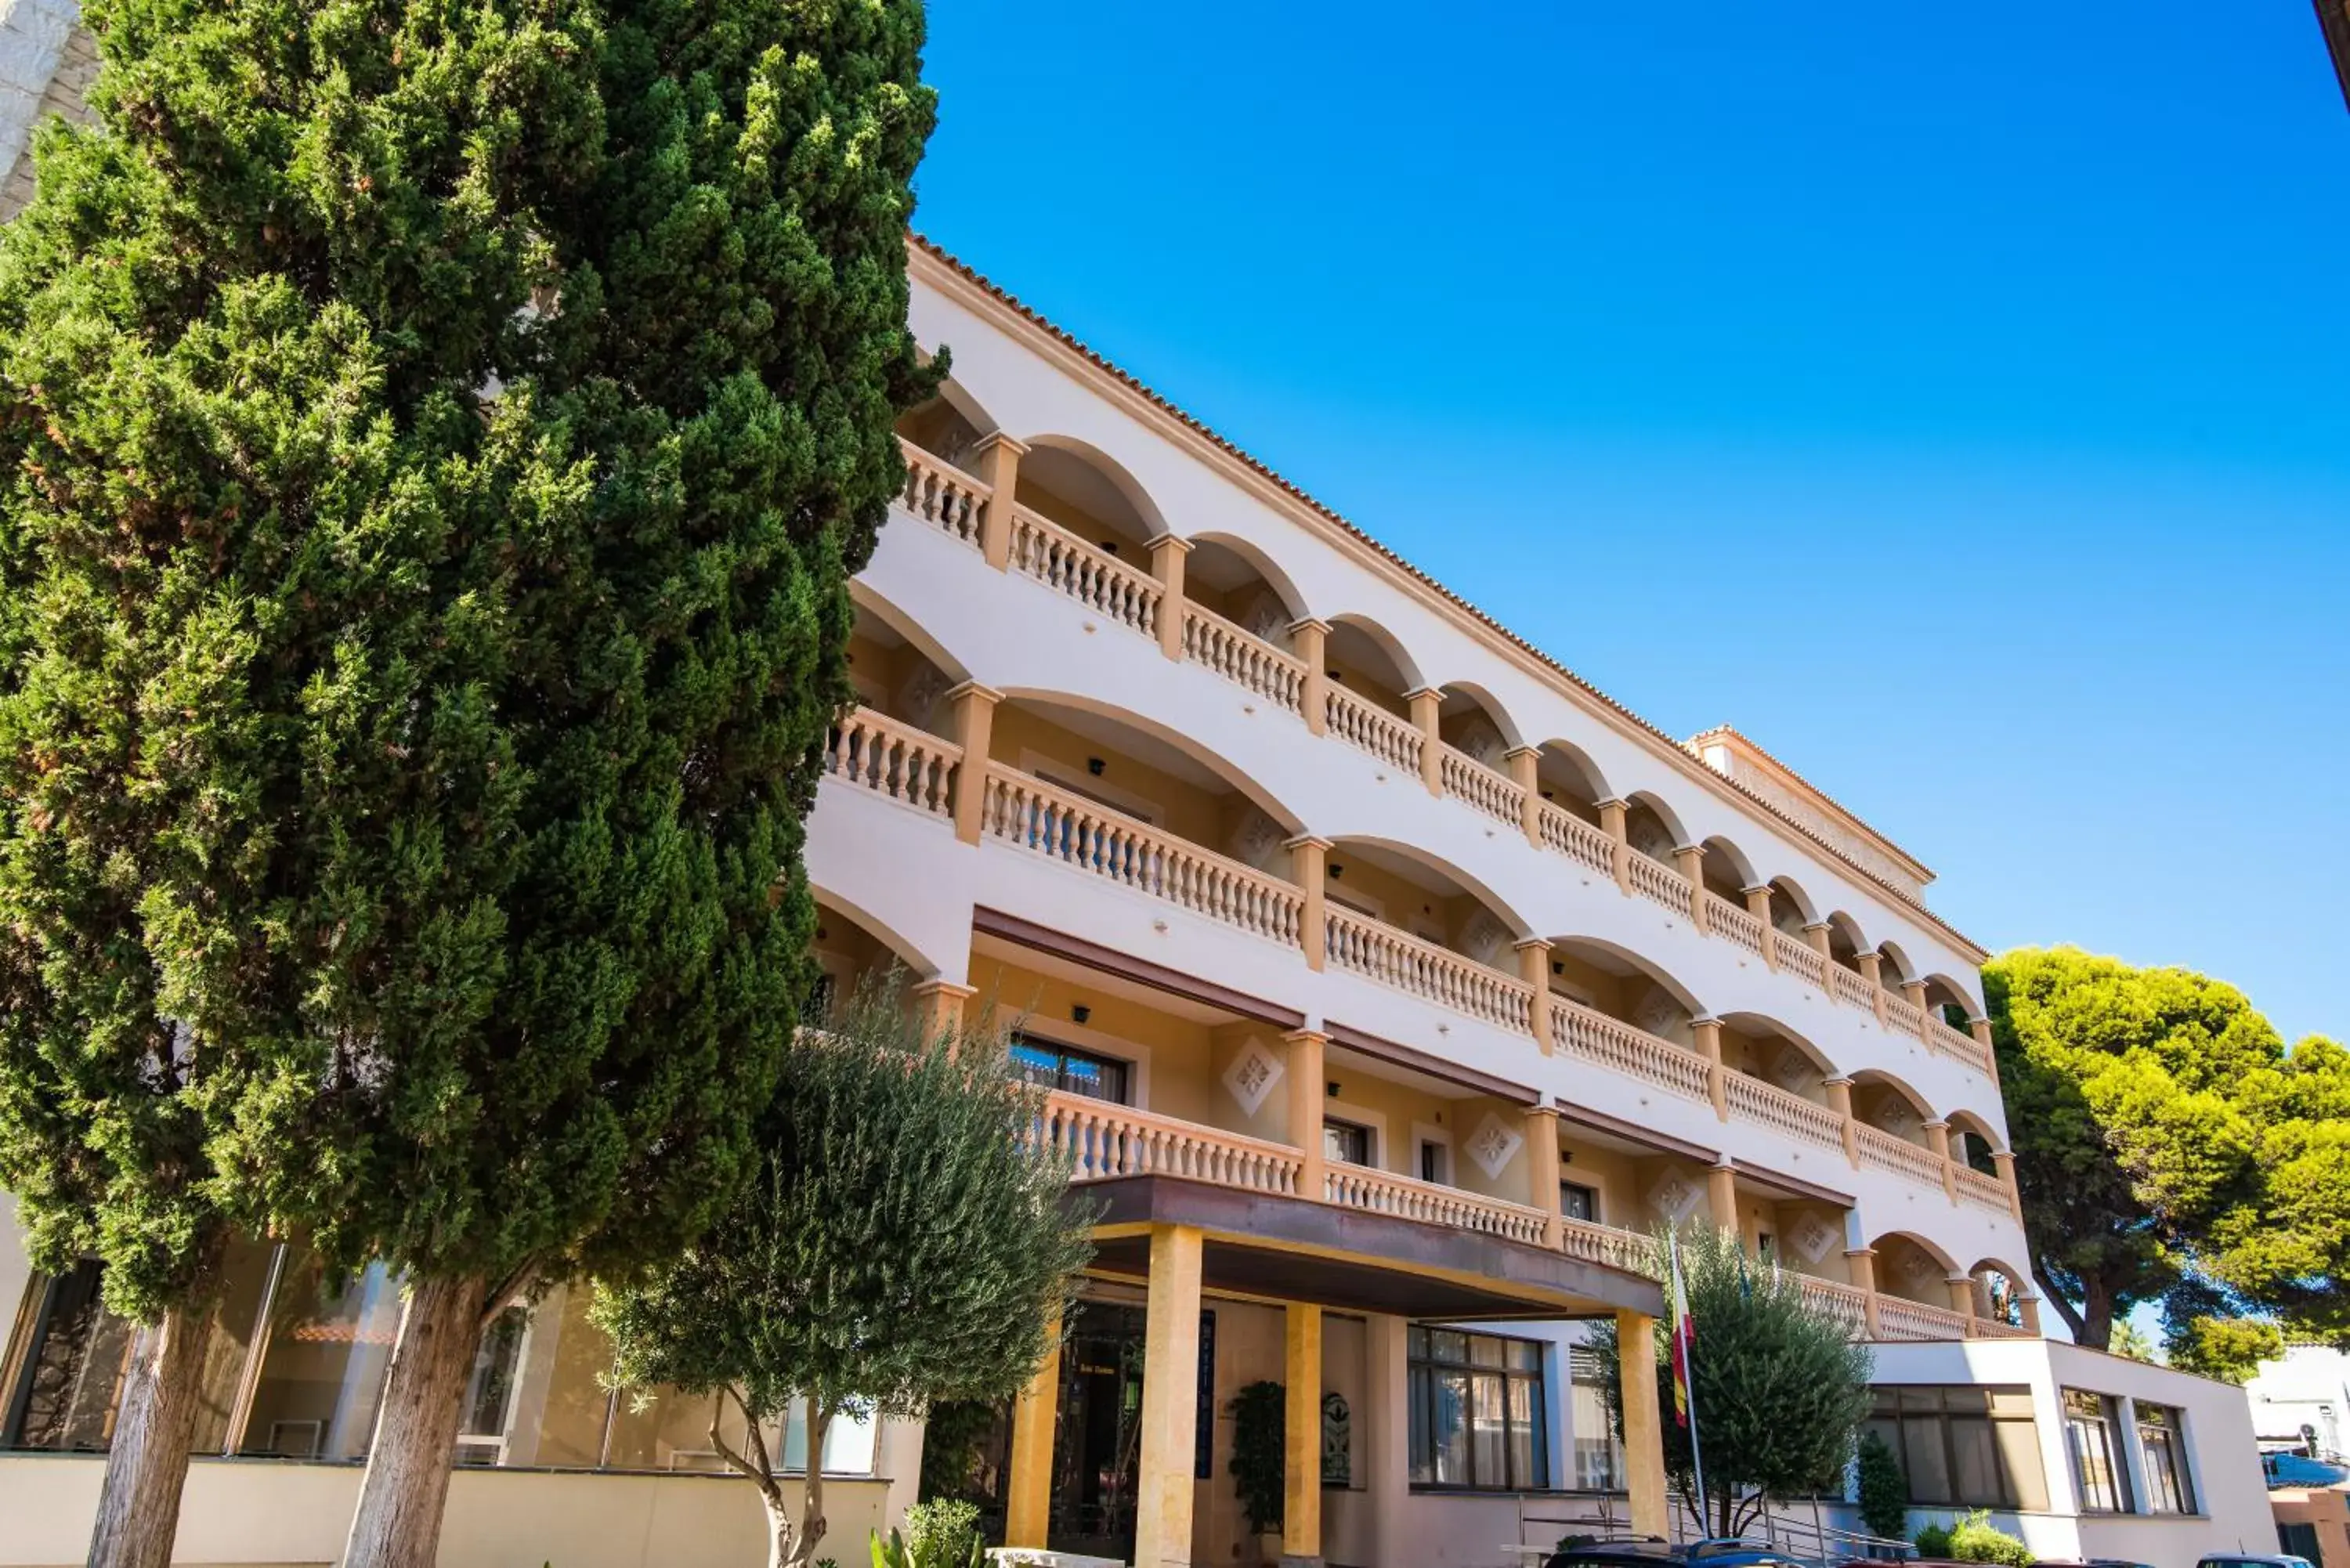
point(1974, 385)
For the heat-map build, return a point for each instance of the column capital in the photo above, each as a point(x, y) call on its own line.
point(1841, 1081)
point(1696, 849)
point(1724, 1164)
point(1523, 943)
point(1159, 542)
point(1614, 801)
point(1955, 1278)
point(1761, 888)
point(1819, 925)
point(962, 689)
point(1860, 1253)
point(1705, 1020)
point(1538, 1109)
point(1936, 1124)
point(1310, 623)
point(1416, 692)
point(997, 439)
point(942, 987)
point(1520, 752)
point(1319, 1036)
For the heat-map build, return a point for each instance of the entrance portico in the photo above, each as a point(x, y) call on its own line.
point(1178, 1244)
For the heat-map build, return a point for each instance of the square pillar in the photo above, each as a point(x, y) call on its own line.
point(1301, 1470)
point(1937, 1132)
point(1424, 702)
point(1708, 1031)
point(1542, 1171)
point(1981, 1029)
point(1386, 1432)
point(2029, 1304)
point(1533, 968)
point(1962, 1294)
point(1170, 1404)
point(1757, 904)
point(1028, 1489)
point(1166, 553)
point(1861, 1263)
point(1914, 993)
point(1611, 819)
point(998, 465)
point(1523, 761)
point(1722, 1197)
point(1644, 1427)
point(939, 1004)
point(973, 708)
point(1690, 858)
point(1308, 641)
point(1872, 969)
point(1840, 1101)
point(2003, 1161)
point(1309, 858)
point(1303, 1077)
point(1817, 933)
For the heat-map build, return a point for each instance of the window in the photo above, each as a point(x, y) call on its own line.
point(1434, 1164)
point(1598, 1459)
point(1577, 1201)
point(1962, 1446)
point(1051, 1066)
point(2090, 1443)
point(1477, 1415)
point(1346, 1142)
point(2161, 1436)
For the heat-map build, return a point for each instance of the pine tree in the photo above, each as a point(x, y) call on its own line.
point(900, 1246)
point(434, 439)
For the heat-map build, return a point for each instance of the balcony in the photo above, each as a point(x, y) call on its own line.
point(1011, 807)
point(1361, 712)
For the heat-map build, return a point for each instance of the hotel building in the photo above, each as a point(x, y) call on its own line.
point(1391, 984)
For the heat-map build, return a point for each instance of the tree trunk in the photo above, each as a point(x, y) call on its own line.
point(147, 1463)
point(2097, 1327)
point(812, 1522)
point(397, 1523)
point(779, 1530)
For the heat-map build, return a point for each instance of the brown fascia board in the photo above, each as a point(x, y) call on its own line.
point(990, 298)
point(2334, 16)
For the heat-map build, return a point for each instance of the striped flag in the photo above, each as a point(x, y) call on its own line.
point(1684, 1336)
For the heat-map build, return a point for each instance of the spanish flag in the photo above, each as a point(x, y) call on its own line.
point(1684, 1336)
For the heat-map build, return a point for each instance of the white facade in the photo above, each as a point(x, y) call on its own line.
point(2302, 1403)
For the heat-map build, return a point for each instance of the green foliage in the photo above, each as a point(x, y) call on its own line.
point(433, 442)
point(2229, 1348)
point(2167, 1140)
point(943, 1533)
point(1934, 1542)
point(2129, 1339)
point(1780, 1390)
point(898, 1246)
point(1260, 1412)
point(1884, 1490)
point(1975, 1540)
point(952, 1434)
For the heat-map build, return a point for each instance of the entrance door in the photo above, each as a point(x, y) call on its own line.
point(1097, 1437)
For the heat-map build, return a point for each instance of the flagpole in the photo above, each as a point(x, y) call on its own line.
point(1684, 1339)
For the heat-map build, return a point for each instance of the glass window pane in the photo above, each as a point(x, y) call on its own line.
point(1577, 1203)
point(1345, 1142)
point(1416, 1341)
point(489, 1390)
point(1449, 1428)
point(1038, 1064)
point(1484, 1350)
point(1974, 1463)
point(2020, 1462)
point(1525, 1354)
point(1924, 1457)
point(1445, 1345)
point(322, 1373)
point(1489, 1419)
point(1096, 1077)
point(848, 1446)
point(1523, 1472)
point(1423, 1454)
point(561, 1403)
point(65, 1394)
point(662, 1429)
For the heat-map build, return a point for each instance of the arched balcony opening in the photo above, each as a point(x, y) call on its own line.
point(897, 670)
point(1232, 579)
point(1651, 828)
point(1726, 872)
point(852, 949)
point(1422, 896)
point(1913, 1269)
point(1947, 1001)
point(1362, 659)
point(1894, 970)
point(1618, 984)
point(1568, 779)
point(949, 426)
point(1846, 942)
point(1081, 491)
point(1763, 1048)
point(1999, 1291)
point(1972, 1144)
point(1471, 723)
point(1791, 908)
point(1884, 1102)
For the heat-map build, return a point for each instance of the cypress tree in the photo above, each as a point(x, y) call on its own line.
point(434, 439)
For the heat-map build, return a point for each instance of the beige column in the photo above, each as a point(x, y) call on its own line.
point(1708, 1031)
point(2003, 1162)
point(1170, 1404)
point(1817, 934)
point(1308, 641)
point(1937, 1134)
point(998, 465)
point(973, 708)
point(1860, 1263)
point(940, 1003)
point(1425, 700)
point(1301, 1470)
point(1840, 1101)
point(1690, 858)
point(1305, 1076)
point(1542, 1169)
point(1611, 818)
point(1644, 1426)
point(1981, 1029)
point(1385, 1450)
point(1962, 1293)
point(1524, 763)
point(1914, 993)
point(1722, 1197)
point(1166, 553)
point(2030, 1307)
point(1308, 860)
point(1757, 904)
point(1872, 966)
point(1028, 1492)
point(1533, 968)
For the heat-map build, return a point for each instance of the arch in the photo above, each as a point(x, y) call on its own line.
point(949, 425)
point(1206, 544)
point(1641, 801)
point(1791, 890)
point(2020, 1278)
point(1945, 990)
point(1894, 968)
point(879, 930)
point(1567, 777)
point(1762, 1025)
point(1443, 870)
point(1930, 1286)
point(1972, 1144)
point(862, 595)
point(1877, 1077)
point(1370, 662)
point(1470, 720)
point(1624, 961)
point(1727, 870)
point(1997, 1304)
point(1056, 465)
point(1846, 938)
point(1968, 1122)
point(1214, 761)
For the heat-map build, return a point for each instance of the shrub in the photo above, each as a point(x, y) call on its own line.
point(943, 1533)
point(1974, 1541)
point(1260, 1412)
point(1934, 1540)
point(1884, 1491)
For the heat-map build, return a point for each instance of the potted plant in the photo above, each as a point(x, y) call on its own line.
point(1260, 1418)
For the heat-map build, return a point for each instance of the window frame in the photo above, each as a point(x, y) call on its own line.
point(2105, 1426)
point(1065, 1054)
point(2162, 1430)
point(1518, 1364)
point(1590, 1201)
point(1898, 1408)
point(1361, 1130)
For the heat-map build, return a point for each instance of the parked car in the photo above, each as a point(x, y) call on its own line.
point(1651, 1552)
point(2254, 1560)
